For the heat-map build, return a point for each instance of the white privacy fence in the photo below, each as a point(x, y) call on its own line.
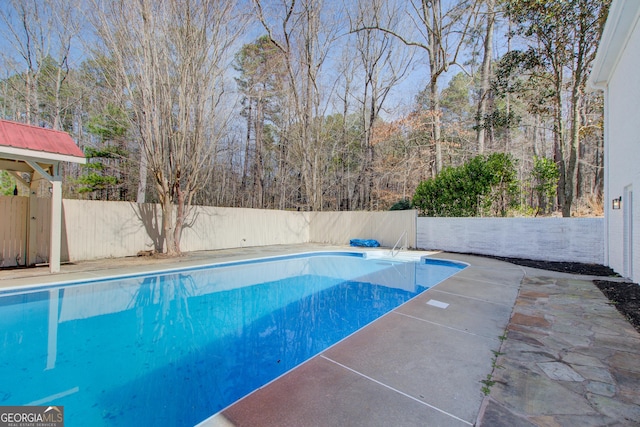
point(96, 229)
point(550, 239)
point(385, 227)
point(99, 229)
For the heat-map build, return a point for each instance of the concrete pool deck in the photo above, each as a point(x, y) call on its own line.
point(567, 358)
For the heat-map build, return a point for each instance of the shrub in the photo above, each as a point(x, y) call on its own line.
point(545, 177)
point(401, 205)
point(483, 186)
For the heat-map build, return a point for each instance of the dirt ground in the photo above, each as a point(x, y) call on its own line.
point(625, 296)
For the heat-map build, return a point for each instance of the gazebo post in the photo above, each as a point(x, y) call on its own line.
point(56, 220)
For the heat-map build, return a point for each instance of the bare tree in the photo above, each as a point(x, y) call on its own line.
point(441, 33)
point(299, 31)
point(383, 66)
point(171, 56)
point(262, 72)
point(40, 33)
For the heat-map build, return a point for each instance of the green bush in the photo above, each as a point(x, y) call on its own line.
point(7, 183)
point(485, 185)
point(401, 205)
point(545, 177)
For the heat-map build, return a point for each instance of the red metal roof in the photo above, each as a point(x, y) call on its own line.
point(19, 135)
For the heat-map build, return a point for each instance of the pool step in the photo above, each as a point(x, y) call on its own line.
point(402, 256)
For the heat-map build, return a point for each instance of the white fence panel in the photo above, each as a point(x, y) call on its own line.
point(385, 227)
point(96, 229)
point(220, 228)
point(551, 239)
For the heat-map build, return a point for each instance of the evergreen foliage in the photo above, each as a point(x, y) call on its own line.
point(545, 177)
point(484, 185)
point(401, 205)
point(105, 170)
point(7, 183)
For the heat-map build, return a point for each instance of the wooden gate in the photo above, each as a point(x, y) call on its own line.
point(15, 213)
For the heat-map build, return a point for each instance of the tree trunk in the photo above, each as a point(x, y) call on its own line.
point(247, 145)
point(258, 173)
point(142, 183)
point(558, 144)
point(167, 219)
point(574, 147)
point(485, 74)
point(436, 126)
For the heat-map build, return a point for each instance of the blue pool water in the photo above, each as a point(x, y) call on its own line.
point(176, 347)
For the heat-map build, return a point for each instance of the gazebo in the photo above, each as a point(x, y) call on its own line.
point(39, 151)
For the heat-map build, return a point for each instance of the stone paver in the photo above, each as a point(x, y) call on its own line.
point(570, 359)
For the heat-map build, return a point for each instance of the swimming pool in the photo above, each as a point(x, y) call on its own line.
point(176, 347)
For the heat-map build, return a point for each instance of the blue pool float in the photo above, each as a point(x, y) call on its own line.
point(367, 243)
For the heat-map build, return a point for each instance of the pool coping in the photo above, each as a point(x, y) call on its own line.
point(7, 287)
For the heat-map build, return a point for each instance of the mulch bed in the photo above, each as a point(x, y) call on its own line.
point(564, 267)
point(625, 296)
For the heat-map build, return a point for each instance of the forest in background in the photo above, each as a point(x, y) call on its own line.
point(314, 104)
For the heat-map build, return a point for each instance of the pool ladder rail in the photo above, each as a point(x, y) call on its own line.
point(395, 252)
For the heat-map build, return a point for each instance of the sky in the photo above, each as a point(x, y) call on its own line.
point(399, 103)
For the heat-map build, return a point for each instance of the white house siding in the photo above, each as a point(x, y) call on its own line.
point(616, 71)
point(623, 163)
point(623, 132)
